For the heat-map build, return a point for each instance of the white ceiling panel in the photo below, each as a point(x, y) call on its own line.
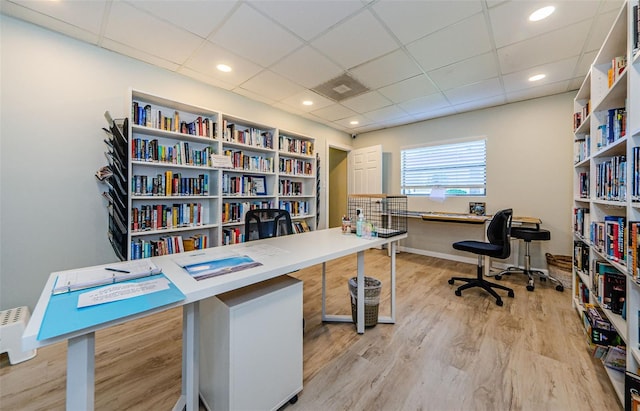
point(197, 16)
point(509, 30)
point(466, 71)
point(407, 52)
point(409, 89)
point(209, 55)
point(567, 42)
point(253, 36)
point(388, 69)
point(307, 67)
point(308, 18)
point(477, 91)
point(355, 41)
point(142, 31)
point(272, 85)
point(455, 43)
point(411, 20)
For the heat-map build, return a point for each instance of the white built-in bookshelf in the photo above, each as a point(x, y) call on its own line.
point(606, 198)
point(180, 196)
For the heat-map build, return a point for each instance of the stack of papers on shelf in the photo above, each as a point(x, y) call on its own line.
point(73, 280)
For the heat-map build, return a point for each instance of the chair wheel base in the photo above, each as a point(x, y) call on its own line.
point(511, 294)
point(499, 302)
point(497, 277)
point(451, 281)
point(458, 293)
point(560, 287)
point(530, 288)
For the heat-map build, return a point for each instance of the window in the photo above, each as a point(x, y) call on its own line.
point(459, 168)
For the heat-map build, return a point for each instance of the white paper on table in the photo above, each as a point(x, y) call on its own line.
point(258, 250)
point(121, 291)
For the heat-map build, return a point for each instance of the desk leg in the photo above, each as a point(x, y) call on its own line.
point(360, 292)
point(190, 357)
point(81, 372)
point(392, 274)
point(324, 291)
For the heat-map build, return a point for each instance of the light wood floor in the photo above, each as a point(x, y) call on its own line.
point(444, 352)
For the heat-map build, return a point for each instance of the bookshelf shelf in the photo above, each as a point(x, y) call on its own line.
point(607, 125)
point(167, 167)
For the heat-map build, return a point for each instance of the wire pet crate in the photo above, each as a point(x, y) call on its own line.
point(387, 213)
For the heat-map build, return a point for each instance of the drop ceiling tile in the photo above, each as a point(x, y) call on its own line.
point(386, 114)
point(355, 41)
point(254, 96)
point(209, 55)
point(480, 90)
point(271, 85)
point(205, 78)
point(366, 102)
point(576, 83)
point(253, 36)
point(535, 92)
point(295, 101)
point(141, 31)
point(411, 20)
point(434, 113)
point(334, 112)
point(13, 10)
point(510, 21)
point(425, 104)
point(480, 104)
point(346, 122)
point(465, 72)
point(197, 16)
point(454, 43)
point(556, 71)
point(139, 55)
point(566, 42)
point(585, 62)
point(388, 69)
point(307, 67)
point(308, 18)
point(599, 30)
point(86, 15)
point(409, 89)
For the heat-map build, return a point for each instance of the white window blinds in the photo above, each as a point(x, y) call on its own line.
point(458, 168)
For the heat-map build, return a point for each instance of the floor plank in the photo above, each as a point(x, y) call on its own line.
point(443, 353)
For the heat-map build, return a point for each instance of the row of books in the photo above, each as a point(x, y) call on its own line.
point(179, 153)
point(608, 237)
point(288, 187)
point(609, 286)
point(582, 149)
point(232, 235)
point(618, 65)
point(233, 212)
point(300, 226)
point(246, 135)
point(582, 291)
point(633, 253)
point(257, 163)
point(170, 184)
point(582, 115)
point(581, 256)
point(613, 128)
point(145, 115)
point(296, 167)
point(583, 184)
point(167, 245)
point(295, 208)
point(241, 184)
point(295, 145)
point(635, 21)
point(611, 179)
point(635, 172)
point(161, 216)
point(581, 221)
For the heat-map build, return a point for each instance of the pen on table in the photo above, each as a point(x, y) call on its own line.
point(117, 270)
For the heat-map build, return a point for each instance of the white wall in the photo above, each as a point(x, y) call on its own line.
point(54, 91)
point(529, 168)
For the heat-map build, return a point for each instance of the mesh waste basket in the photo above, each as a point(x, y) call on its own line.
point(372, 289)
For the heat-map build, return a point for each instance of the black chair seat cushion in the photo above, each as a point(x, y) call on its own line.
point(479, 247)
point(530, 234)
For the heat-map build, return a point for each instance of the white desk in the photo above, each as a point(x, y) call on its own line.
point(294, 252)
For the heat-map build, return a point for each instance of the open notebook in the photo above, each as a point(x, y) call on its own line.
point(73, 280)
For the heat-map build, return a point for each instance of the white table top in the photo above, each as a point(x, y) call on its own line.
point(278, 256)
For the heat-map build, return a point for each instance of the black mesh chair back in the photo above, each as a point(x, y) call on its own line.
point(266, 223)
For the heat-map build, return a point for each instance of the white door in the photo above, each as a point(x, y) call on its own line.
point(365, 170)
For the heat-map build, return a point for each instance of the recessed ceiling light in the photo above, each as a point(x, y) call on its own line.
point(537, 77)
point(354, 122)
point(542, 13)
point(307, 103)
point(223, 68)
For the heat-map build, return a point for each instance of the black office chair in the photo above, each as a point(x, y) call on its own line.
point(267, 222)
point(497, 247)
